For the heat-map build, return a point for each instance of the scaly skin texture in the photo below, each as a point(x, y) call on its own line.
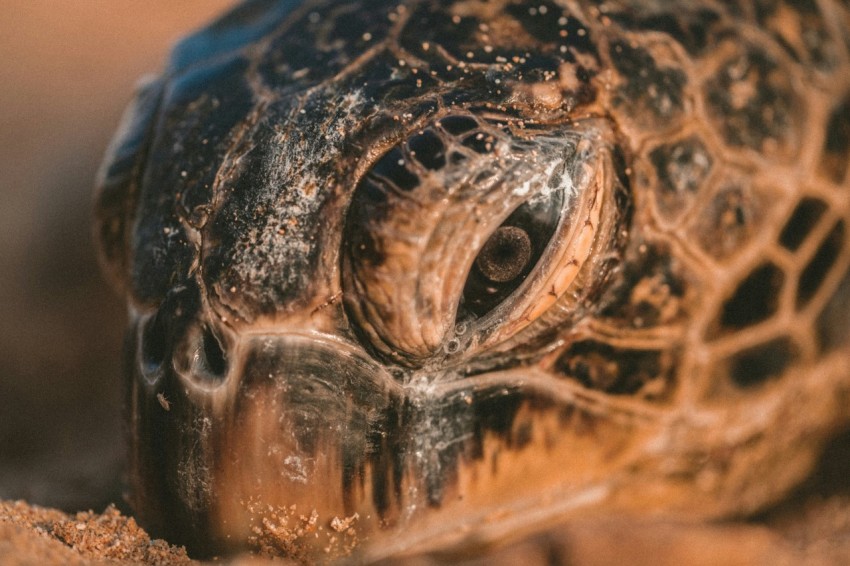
point(402, 270)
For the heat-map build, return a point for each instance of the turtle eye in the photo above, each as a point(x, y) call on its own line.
point(494, 239)
point(510, 254)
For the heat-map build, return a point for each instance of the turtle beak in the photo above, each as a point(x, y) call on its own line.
point(287, 430)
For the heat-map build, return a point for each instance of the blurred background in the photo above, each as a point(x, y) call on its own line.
point(67, 69)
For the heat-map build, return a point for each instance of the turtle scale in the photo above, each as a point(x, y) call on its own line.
point(293, 208)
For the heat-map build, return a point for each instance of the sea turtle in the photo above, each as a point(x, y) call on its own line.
point(405, 270)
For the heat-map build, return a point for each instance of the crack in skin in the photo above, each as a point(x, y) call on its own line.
point(296, 208)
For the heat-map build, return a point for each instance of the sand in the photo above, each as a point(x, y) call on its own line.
point(813, 532)
point(38, 535)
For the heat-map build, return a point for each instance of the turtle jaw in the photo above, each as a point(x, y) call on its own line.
point(305, 446)
point(287, 428)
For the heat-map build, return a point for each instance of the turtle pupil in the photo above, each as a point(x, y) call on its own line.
point(505, 255)
point(509, 255)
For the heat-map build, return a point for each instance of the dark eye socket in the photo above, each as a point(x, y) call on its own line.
point(510, 255)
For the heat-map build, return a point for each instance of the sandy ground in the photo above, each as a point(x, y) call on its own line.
point(816, 534)
point(37, 535)
point(66, 71)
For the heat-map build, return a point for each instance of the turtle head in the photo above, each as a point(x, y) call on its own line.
point(341, 289)
point(320, 331)
point(389, 278)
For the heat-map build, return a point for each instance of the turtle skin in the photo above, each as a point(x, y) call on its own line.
point(400, 273)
